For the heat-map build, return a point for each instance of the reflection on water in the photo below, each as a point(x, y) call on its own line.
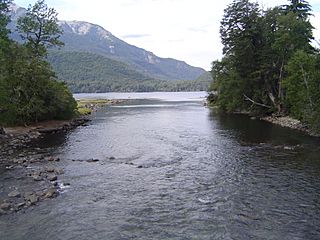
point(177, 170)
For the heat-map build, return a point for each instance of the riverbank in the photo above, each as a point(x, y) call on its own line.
point(32, 131)
point(34, 173)
point(283, 121)
point(289, 122)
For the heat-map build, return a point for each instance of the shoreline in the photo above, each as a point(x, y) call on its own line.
point(283, 121)
point(36, 174)
point(35, 130)
point(292, 123)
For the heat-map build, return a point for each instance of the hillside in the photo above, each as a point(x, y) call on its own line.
point(89, 72)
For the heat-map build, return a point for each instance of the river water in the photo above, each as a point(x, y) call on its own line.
point(170, 168)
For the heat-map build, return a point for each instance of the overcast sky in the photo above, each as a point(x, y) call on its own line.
point(187, 30)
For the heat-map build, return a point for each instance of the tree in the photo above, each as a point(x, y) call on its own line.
point(299, 7)
point(241, 35)
point(258, 45)
point(29, 89)
point(40, 28)
point(302, 86)
point(4, 19)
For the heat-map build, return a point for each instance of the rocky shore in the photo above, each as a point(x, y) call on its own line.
point(30, 175)
point(286, 121)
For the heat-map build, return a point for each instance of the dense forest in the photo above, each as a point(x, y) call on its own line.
point(29, 90)
point(90, 73)
point(270, 65)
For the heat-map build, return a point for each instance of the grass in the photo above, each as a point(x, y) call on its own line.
point(86, 106)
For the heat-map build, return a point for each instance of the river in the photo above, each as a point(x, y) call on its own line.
point(170, 168)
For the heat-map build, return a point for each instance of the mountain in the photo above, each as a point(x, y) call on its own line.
point(94, 60)
point(89, 37)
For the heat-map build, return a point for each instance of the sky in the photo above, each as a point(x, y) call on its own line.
point(186, 30)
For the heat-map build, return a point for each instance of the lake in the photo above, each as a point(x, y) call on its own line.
point(170, 168)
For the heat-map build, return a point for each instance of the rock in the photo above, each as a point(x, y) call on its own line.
point(288, 148)
point(52, 177)
point(112, 158)
point(2, 132)
point(140, 166)
point(92, 160)
point(36, 177)
point(20, 205)
point(50, 169)
point(5, 206)
point(59, 171)
point(32, 199)
point(50, 159)
point(50, 193)
point(14, 194)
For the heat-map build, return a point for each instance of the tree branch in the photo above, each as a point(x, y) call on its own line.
point(255, 103)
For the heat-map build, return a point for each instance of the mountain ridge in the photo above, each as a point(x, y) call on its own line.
point(110, 62)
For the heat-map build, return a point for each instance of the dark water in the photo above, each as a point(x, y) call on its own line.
point(181, 171)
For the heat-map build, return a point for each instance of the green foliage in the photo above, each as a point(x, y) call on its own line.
point(29, 91)
point(39, 28)
point(258, 45)
point(88, 72)
point(303, 87)
point(4, 19)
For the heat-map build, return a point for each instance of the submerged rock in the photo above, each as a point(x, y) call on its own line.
point(52, 177)
point(2, 132)
point(36, 177)
point(31, 199)
point(14, 194)
point(20, 205)
point(92, 160)
point(5, 206)
point(50, 193)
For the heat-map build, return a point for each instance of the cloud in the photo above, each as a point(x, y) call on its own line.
point(187, 30)
point(135, 36)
